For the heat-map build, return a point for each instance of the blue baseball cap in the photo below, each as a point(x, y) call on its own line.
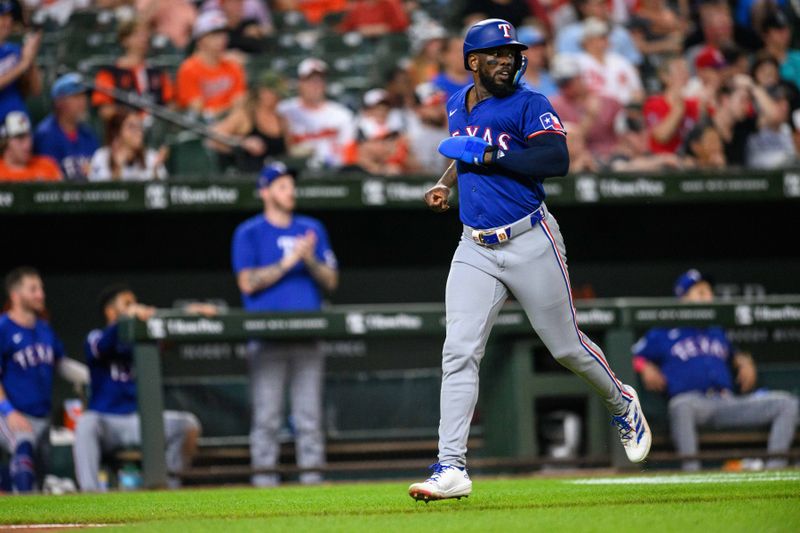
point(687, 280)
point(272, 172)
point(67, 85)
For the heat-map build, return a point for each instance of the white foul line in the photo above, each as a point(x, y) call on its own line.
point(677, 479)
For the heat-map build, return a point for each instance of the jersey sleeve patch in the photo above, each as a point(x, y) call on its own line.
point(550, 122)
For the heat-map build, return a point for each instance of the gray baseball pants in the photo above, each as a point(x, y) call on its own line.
point(272, 366)
point(39, 437)
point(97, 432)
point(690, 410)
point(532, 267)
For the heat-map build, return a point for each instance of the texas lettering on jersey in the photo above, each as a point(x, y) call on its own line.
point(486, 135)
point(698, 345)
point(34, 355)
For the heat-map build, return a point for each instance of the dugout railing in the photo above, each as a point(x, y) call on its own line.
point(510, 384)
point(337, 191)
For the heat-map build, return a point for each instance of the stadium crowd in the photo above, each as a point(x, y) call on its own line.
point(640, 86)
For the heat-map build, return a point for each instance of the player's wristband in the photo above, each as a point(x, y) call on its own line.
point(639, 363)
point(6, 408)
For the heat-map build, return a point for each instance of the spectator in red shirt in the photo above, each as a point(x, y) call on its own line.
point(372, 18)
point(670, 115)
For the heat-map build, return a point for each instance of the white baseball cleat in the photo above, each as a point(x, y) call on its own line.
point(446, 481)
point(634, 433)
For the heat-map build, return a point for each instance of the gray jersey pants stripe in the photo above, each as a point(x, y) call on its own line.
point(481, 277)
point(585, 342)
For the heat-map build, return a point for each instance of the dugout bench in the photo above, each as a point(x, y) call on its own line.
point(511, 383)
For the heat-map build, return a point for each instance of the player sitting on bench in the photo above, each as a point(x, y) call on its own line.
point(696, 367)
point(112, 420)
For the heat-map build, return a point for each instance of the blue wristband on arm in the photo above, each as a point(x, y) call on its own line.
point(6, 408)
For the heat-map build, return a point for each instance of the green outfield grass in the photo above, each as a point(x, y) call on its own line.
point(707, 503)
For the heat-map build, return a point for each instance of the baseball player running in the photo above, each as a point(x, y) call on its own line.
point(112, 420)
point(505, 139)
point(29, 353)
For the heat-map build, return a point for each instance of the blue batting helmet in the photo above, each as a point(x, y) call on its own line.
point(490, 33)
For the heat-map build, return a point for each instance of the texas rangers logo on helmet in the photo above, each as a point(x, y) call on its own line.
point(506, 27)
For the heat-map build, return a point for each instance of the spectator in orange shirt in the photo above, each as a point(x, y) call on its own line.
point(372, 18)
point(669, 115)
point(17, 162)
point(209, 83)
point(130, 71)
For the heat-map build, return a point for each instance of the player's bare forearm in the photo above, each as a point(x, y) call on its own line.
point(325, 276)
point(449, 176)
point(256, 279)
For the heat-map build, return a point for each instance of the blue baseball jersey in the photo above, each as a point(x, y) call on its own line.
point(692, 359)
point(27, 359)
point(113, 389)
point(257, 243)
point(11, 98)
point(73, 154)
point(490, 196)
